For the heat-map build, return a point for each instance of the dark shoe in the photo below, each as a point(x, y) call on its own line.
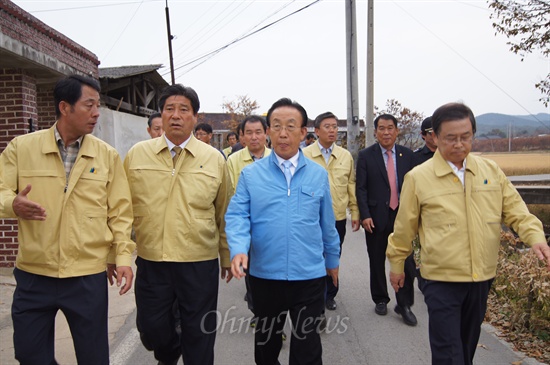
point(408, 316)
point(330, 304)
point(322, 322)
point(175, 362)
point(381, 309)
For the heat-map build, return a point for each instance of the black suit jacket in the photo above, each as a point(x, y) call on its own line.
point(372, 185)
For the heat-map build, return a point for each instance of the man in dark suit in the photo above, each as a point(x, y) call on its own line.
point(381, 169)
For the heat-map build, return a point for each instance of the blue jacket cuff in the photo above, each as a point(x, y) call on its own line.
point(332, 261)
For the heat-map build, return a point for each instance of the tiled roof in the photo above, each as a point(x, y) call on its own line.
point(126, 71)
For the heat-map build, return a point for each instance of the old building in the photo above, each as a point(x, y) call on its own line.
point(33, 57)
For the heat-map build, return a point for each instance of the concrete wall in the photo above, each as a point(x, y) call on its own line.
point(120, 130)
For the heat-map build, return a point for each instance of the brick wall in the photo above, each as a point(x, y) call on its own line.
point(25, 28)
point(8, 242)
point(20, 97)
point(46, 107)
point(17, 106)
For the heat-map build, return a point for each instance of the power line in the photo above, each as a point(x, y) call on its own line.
point(265, 19)
point(211, 30)
point(90, 6)
point(211, 54)
point(123, 30)
point(184, 30)
point(471, 64)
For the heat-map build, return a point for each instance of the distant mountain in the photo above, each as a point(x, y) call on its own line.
point(521, 124)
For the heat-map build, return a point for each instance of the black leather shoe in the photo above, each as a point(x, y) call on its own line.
point(381, 309)
point(330, 304)
point(408, 316)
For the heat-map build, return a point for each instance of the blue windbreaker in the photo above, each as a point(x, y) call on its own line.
point(290, 233)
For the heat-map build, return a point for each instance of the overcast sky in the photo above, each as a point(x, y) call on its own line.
point(427, 53)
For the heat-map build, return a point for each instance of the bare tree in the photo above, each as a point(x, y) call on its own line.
point(237, 109)
point(409, 123)
point(527, 26)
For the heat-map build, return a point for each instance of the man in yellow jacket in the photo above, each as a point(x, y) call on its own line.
point(180, 191)
point(456, 202)
point(254, 136)
point(341, 175)
point(254, 129)
point(71, 198)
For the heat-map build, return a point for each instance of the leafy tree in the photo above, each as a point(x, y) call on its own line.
point(497, 132)
point(238, 109)
point(527, 25)
point(409, 123)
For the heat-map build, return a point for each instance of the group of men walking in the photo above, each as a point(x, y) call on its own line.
point(275, 216)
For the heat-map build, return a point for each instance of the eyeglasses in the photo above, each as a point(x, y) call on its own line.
point(427, 131)
point(289, 128)
point(455, 140)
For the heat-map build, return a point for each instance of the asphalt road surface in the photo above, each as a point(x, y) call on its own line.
point(355, 334)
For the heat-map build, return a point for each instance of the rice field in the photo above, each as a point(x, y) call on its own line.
point(521, 163)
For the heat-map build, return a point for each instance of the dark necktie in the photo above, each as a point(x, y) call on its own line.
point(177, 150)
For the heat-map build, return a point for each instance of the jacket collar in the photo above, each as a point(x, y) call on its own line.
point(192, 146)
point(50, 145)
point(302, 161)
point(245, 154)
point(316, 150)
point(442, 168)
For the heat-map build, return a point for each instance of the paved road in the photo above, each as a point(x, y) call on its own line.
point(355, 334)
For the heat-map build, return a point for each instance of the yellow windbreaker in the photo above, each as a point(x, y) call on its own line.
point(179, 212)
point(458, 226)
point(84, 222)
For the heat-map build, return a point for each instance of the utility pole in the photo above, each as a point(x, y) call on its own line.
point(351, 81)
point(509, 137)
point(369, 116)
point(170, 37)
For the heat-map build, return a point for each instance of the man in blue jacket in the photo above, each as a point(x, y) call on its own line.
point(282, 213)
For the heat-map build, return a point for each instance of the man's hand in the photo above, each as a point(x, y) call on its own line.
point(119, 273)
point(397, 281)
point(333, 273)
point(238, 265)
point(543, 252)
point(26, 209)
point(226, 272)
point(355, 225)
point(368, 224)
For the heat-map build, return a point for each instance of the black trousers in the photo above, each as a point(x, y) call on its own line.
point(83, 301)
point(304, 300)
point(195, 286)
point(248, 295)
point(456, 312)
point(377, 243)
point(331, 289)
